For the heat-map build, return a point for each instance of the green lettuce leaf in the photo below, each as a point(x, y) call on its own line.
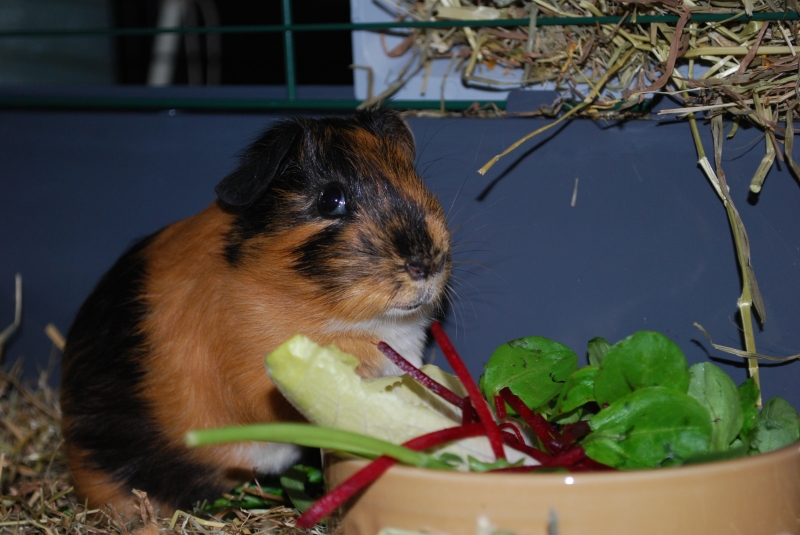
point(598, 348)
point(645, 359)
point(578, 390)
point(777, 426)
point(534, 368)
point(650, 427)
point(716, 391)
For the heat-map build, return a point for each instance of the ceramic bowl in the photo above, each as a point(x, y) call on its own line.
point(751, 496)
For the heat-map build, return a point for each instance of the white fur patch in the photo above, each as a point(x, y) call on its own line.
point(405, 337)
point(269, 457)
point(405, 333)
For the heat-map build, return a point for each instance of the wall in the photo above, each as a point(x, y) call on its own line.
point(646, 246)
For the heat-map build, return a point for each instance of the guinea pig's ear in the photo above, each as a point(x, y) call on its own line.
point(259, 164)
point(393, 126)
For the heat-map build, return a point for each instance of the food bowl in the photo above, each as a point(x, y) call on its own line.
point(749, 496)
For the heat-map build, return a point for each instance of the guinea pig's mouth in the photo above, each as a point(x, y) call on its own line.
point(422, 300)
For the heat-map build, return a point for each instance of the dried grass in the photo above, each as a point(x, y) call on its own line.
point(744, 57)
point(745, 69)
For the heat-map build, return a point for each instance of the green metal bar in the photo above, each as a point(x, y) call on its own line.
point(222, 104)
point(542, 21)
point(288, 51)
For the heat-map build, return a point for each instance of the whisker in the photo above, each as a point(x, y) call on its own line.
point(466, 262)
point(479, 291)
point(468, 272)
point(483, 211)
point(457, 312)
point(455, 198)
point(472, 240)
point(462, 299)
point(429, 164)
point(421, 151)
point(471, 251)
point(457, 228)
point(482, 266)
point(475, 231)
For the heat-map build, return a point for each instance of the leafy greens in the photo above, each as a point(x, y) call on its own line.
point(644, 406)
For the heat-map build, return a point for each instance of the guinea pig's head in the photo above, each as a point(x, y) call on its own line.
point(331, 211)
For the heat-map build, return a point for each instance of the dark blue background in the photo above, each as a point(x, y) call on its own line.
point(647, 245)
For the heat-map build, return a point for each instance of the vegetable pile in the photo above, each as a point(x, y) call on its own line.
point(635, 405)
point(643, 406)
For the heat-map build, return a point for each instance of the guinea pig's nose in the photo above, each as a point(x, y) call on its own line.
point(417, 269)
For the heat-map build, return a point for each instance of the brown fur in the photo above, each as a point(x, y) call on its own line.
point(98, 487)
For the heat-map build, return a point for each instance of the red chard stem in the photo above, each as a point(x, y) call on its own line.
point(361, 479)
point(468, 414)
point(590, 465)
point(568, 458)
point(500, 407)
point(333, 499)
point(437, 438)
point(572, 433)
point(420, 376)
point(509, 427)
point(539, 455)
point(550, 438)
point(480, 405)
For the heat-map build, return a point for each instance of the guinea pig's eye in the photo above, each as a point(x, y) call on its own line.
point(332, 202)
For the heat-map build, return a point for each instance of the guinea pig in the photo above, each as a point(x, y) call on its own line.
point(323, 229)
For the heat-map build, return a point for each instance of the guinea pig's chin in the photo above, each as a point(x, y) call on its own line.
point(421, 304)
point(416, 309)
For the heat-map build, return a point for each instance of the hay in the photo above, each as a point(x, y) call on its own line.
point(744, 58)
point(744, 68)
point(36, 494)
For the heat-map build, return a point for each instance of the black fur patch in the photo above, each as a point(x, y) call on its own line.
point(410, 235)
point(259, 164)
point(100, 391)
point(249, 223)
point(313, 256)
point(319, 156)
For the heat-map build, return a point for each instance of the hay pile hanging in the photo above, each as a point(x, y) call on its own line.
point(746, 68)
